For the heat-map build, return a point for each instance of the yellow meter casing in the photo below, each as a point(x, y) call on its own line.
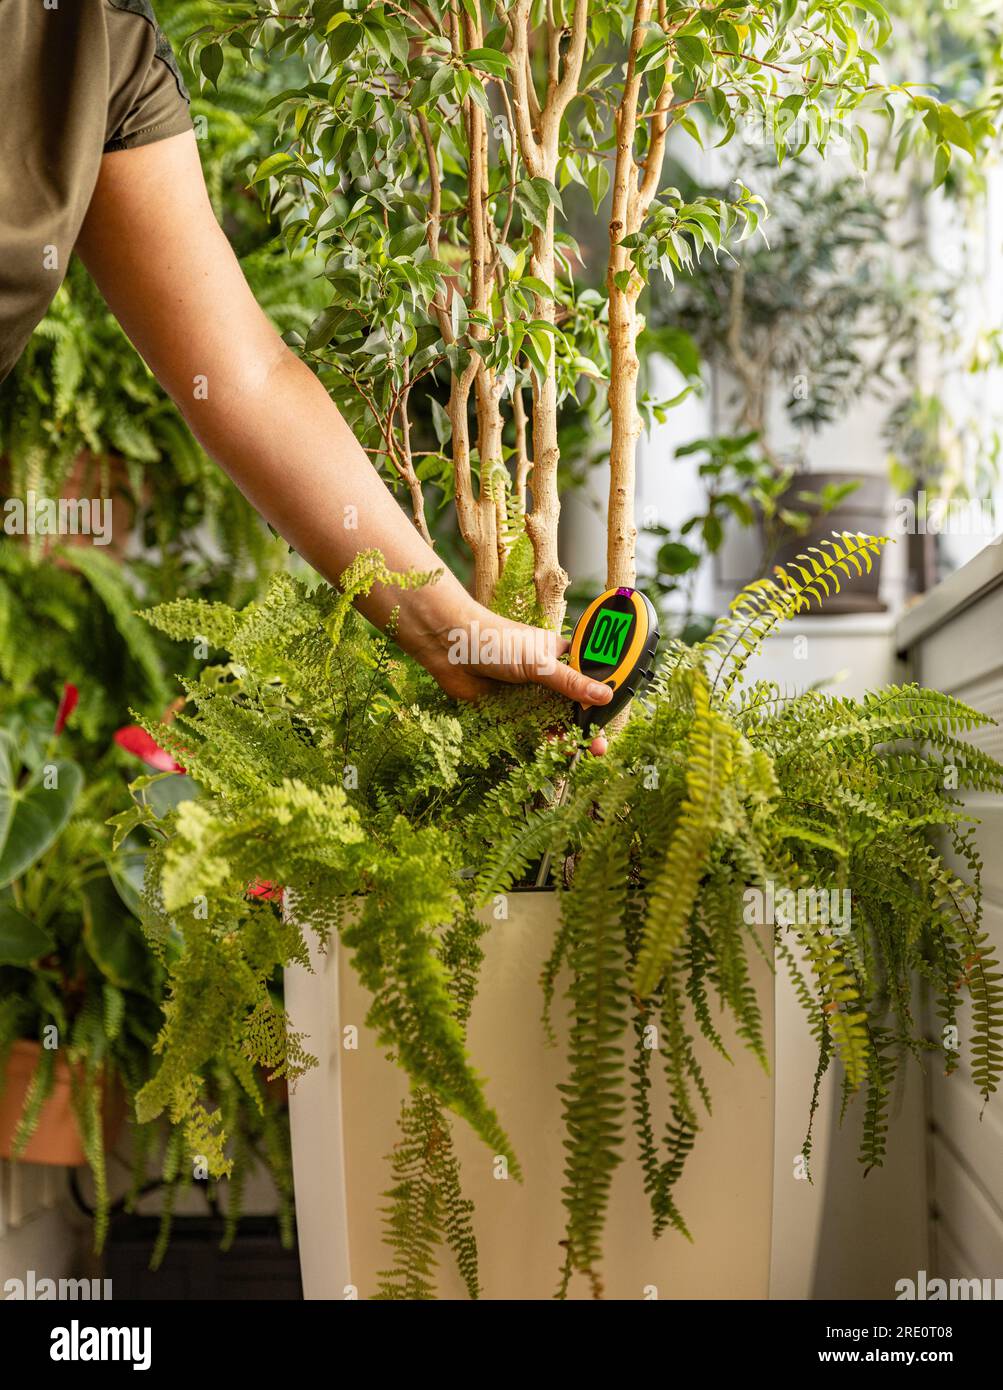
point(614, 642)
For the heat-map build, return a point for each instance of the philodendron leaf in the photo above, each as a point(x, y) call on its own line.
point(33, 816)
point(127, 869)
point(113, 938)
point(21, 941)
point(165, 791)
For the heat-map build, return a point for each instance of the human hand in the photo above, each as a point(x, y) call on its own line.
point(470, 656)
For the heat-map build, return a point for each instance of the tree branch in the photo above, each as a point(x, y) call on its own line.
point(518, 24)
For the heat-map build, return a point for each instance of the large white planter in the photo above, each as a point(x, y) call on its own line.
point(344, 1123)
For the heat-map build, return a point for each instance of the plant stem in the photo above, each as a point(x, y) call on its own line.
point(630, 205)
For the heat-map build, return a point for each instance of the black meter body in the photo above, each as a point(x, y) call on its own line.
point(614, 642)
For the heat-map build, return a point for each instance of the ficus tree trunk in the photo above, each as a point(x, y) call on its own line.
point(478, 515)
point(534, 127)
point(633, 190)
point(537, 131)
point(549, 576)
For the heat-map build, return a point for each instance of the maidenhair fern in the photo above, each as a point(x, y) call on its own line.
point(335, 767)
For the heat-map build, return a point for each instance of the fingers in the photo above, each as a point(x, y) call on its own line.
point(573, 685)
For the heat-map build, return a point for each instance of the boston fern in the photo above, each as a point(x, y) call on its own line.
point(334, 770)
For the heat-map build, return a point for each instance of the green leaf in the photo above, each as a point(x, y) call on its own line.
point(407, 241)
point(693, 52)
point(536, 286)
point(442, 82)
point(655, 51)
point(211, 62)
point(127, 821)
point(675, 558)
point(878, 11)
point(343, 39)
point(597, 180)
point(21, 941)
point(322, 330)
point(739, 508)
point(535, 197)
point(941, 164)
point(400, 44)
point(127, 870)
point(489, 59)
point(164, 791)
point(113, 941)
point(274, 164)
point(8, 773)
point(35, 815)
point(596, 75)
point(441, 423)
point(457, 315)
point(713, 533)
point(954, 130)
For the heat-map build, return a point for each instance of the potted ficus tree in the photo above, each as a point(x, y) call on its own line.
point(429, 157)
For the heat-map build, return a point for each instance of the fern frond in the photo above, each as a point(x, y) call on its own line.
point(674, 890)
point(765, 603)
point(593, 1094)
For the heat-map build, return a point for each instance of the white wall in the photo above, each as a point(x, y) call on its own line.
point(963, 656)
point(38, 1229)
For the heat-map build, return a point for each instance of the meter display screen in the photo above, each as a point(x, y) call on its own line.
point(609, 634)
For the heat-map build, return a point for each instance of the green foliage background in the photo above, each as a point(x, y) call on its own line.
point(82, 413)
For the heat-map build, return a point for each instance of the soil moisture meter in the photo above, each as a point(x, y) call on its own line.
point(614, 643)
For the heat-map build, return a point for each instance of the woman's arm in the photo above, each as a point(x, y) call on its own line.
point(152, 243)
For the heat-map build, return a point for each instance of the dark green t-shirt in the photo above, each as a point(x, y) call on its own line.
point(78, 78)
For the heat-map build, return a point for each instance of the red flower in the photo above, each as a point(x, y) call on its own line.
point(137, 741)
point(264, 889)
point(66, 707)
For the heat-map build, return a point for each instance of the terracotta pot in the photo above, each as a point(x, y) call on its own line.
point(57, 1138)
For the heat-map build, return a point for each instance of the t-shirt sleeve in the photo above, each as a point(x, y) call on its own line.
point(147, 100)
